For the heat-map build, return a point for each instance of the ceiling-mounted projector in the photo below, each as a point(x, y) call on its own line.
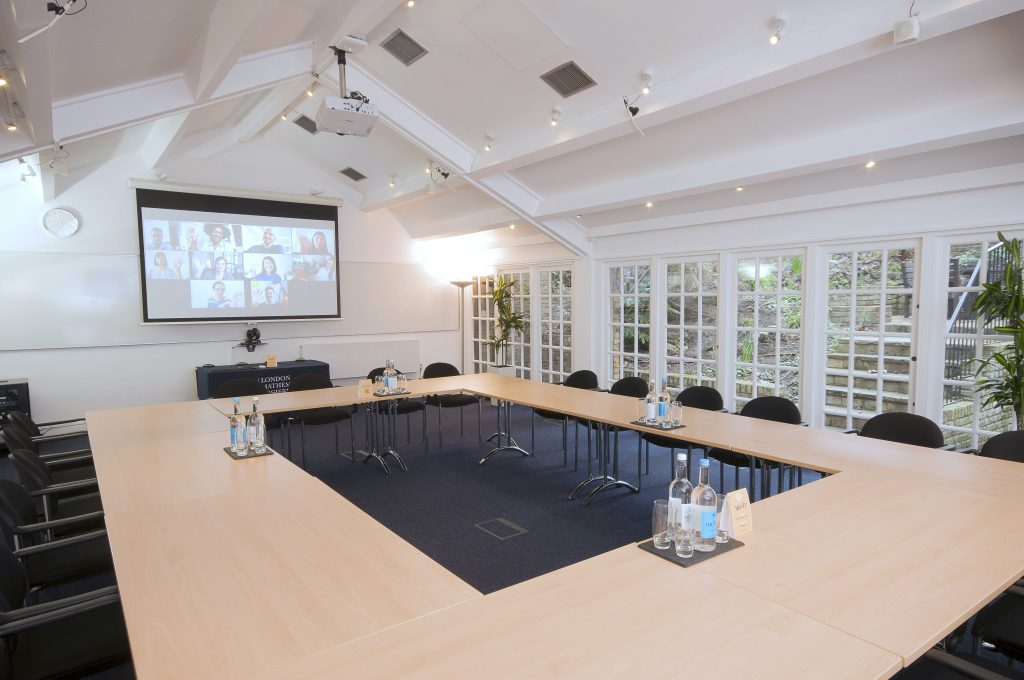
point(346, 116)
point(351, 113)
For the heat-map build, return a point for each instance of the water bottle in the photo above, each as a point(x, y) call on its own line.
point(664, 400)
point(680, 494)
point(257, 429)
point(237, 436)
point(651, 416)
point(390, 377)
point(705, 505)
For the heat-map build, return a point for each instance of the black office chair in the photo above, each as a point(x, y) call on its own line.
point(70, 637)
point(1004, 446)
point(17, 438)
point(1001, 624)
point(459, 401)
point(239, 387)
point(328, 415)
point(404, 407)
point(903, 428)
point(50, 562)
point(777, 409)
point(57, 500)
point(69, 467)
point(938, 664)
point(697, 396)
point(582, 380)
point(43, 433)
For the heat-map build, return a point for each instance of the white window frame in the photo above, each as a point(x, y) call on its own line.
point(605, 370)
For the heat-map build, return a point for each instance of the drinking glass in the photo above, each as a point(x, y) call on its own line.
point(641, 410)
point(676, 413)
point(684, 539)
point(722, 534)
point(659, 524)
point(378, 384)
point(403, 382)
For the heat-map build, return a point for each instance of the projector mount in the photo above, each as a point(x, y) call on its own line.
point(342, 85)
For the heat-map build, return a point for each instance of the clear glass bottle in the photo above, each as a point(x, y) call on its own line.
point(652, 406)
point(237, 433)
point(257, 429)
point(390, 377)
point(705, 506)
point(664, 400)
point(680, 495)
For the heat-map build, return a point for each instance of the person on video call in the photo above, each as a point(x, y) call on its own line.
point(267, 298)
point(219, 272)
point(218, 301)
point(268, 245)
point(215, 238)
point(318, 246)
point(326, 271)
point(269, 272)
point(156, 240)
point(160, 269)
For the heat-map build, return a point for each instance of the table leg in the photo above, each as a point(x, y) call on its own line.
point(503, 437)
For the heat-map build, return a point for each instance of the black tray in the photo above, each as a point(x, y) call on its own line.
point(268, 452)
point(656, 427)
point(669, 553)
point(391, 394)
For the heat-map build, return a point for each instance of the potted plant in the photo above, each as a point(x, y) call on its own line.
point(508, 324)
point(1000, 377)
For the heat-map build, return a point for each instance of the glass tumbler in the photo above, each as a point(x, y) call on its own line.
point(721, 534)
point(641, 410)
point(676, 413)
point(378, 384)
point(659, 525)
point(403, 382)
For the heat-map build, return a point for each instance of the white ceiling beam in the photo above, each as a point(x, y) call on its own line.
point(268, 110)
point(29, 85)
point(163, 135)
point(976, 120)
point(221, 45)
point(860, 34)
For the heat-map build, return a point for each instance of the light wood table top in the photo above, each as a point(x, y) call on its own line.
point(230, 569)
point(623, 614)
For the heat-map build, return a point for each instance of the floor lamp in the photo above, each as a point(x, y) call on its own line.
point(462, 326)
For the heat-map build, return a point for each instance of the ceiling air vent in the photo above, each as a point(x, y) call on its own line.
point(568, 79)
point(306, 123)
point(403, 48)
point(353, 174)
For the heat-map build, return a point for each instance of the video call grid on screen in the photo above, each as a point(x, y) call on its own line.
point(261, 260)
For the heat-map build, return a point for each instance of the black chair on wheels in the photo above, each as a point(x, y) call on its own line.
point(69, 637)
point(328, 415)
point(697, 396)
point(459, 401)
point(777, 409)
point(903, 428)
point(404, 407)
point(582, 380)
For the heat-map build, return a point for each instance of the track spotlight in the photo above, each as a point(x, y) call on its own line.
point(430, 164)
point(488, 142)
point(556, 113)
point(579, 217)
point(739, 188)
point(392, 181)
point(633, 110)
point(778, 27)
point(646, 77)
point(284, 116)
point(11, 127)
point(309, 91)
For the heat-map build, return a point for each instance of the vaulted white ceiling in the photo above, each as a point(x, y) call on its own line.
point(791, 122)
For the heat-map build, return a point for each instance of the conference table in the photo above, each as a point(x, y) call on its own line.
point(256, 569)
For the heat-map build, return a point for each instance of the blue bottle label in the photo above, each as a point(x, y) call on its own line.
point(662, 409)
point(234, 437)
point(707, 524)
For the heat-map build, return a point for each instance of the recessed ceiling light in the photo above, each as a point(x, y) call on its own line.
point(739, 188)
point(284, 116)
point(511, 226)
point(309, 92)
point(579, 217)
point(3, 81)
point(778, 27)
point(410, 3)
point(488, 142)
point(10, 125)
point(646, 77)
point(393, 181)
point(869, 165)
point(648, 204)
point(556, 113)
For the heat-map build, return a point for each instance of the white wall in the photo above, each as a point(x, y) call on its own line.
point(65, 382)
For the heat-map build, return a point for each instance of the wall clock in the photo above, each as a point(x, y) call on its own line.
point(61, 222)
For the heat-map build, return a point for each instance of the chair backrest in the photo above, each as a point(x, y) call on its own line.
point(239, 387)
point(904, 428)
point(22, 420)
point(16, 504)
point(1005, 446)
point(630, 387)
point(32, 471)
point(13, 585)
point(702, 397)
point(18, 438)
point(779, 409)
point(309, 381)
point(584, 380)
point(440, 370)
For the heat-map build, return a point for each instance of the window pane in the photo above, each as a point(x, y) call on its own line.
point(672, 305)
point(690, 310)
point(869, 269)
point(709, 310)
point(745, 275)
point(899, 311)
point(674, 278)
point(768, 273)
point(840, 268)
point(691, 277)
point(792, 272)
point(869, 310)
point(839, 310)
point(900, 268)
point(709, 271)
point(745, 311)
point(766, 311)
